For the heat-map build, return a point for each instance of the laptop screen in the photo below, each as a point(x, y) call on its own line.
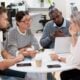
point(62, 44)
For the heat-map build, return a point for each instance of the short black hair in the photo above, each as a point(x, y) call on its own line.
point(20, 15)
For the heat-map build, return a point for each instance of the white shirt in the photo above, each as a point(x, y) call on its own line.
point(74, 59)
point(1, 45)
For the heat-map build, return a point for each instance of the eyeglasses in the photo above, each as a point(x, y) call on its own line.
point(26, 20)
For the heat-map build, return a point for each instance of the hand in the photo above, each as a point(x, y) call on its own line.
point(61, 59)
point(19, 58)
point(59, 33)
point(32, 53)
point(24, 52)
point(54, 56)
point(27, 53)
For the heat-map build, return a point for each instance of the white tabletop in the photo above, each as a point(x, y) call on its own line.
point(46, 60)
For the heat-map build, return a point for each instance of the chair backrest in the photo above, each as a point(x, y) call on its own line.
point(62, 44)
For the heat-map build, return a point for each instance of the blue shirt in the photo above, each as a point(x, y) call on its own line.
point(46, 41)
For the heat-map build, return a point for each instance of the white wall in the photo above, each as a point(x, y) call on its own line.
point(61, 5)
point(31, 3)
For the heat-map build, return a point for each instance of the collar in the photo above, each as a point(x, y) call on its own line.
point(20, 31)
point(63, 25)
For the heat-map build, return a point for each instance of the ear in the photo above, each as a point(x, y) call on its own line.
point(17, 23)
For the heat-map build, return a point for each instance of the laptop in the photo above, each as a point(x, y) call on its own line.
point(62, 44)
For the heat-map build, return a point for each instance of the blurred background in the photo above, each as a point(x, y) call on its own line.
point(38, 9)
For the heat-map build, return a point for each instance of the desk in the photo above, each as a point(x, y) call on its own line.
point(43, 69)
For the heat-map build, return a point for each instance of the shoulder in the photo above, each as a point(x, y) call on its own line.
point(49, 24)
point(13, 29)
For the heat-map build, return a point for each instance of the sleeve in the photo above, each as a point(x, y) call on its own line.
point(46, 39)
point(74, 58)
point(1, 49)
point(34, 42)
point(12, 43)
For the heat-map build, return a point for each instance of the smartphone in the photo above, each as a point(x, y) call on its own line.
point(54, 66)
point(23, 64)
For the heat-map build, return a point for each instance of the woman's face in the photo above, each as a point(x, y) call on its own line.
point(25, 22)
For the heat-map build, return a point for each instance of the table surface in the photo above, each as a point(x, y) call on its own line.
point(46, 60)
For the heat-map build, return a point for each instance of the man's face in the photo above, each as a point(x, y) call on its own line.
point(4, 21)
point(57, 17)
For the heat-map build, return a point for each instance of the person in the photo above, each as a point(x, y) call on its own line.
point(20, 37)
point(56, 27)
point(9, 59)
point(74, 59)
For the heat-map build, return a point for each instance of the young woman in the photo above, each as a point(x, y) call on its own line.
point(20, 37)
point(20, 40)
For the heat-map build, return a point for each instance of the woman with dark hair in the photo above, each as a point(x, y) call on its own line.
point(20, 37)
point(21, 40)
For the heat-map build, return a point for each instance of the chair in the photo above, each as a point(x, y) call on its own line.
point(43, 21)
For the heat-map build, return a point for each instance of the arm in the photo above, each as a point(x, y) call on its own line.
point(11, 43)
point(73, 33)
point(6, 55)
point(46, 39)
point(55, 57)
point(34, 42)
point(9, 62)
point(73, 40)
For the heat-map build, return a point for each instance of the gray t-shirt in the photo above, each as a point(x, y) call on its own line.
point(16, 40)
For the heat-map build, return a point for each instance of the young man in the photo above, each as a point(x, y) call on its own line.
point(9, 59)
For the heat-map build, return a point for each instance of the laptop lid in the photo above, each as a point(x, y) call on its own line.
point(62, 44)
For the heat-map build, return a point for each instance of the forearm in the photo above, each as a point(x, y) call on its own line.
point(7, 63)
point(6, 54)
point(74, 40)
point(45, 41)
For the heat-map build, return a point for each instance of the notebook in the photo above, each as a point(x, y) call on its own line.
point(62, 44)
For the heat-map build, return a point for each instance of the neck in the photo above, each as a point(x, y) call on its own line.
point(22, 29)
point(59, 25)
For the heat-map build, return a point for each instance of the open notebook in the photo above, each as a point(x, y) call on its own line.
point(62, 44)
